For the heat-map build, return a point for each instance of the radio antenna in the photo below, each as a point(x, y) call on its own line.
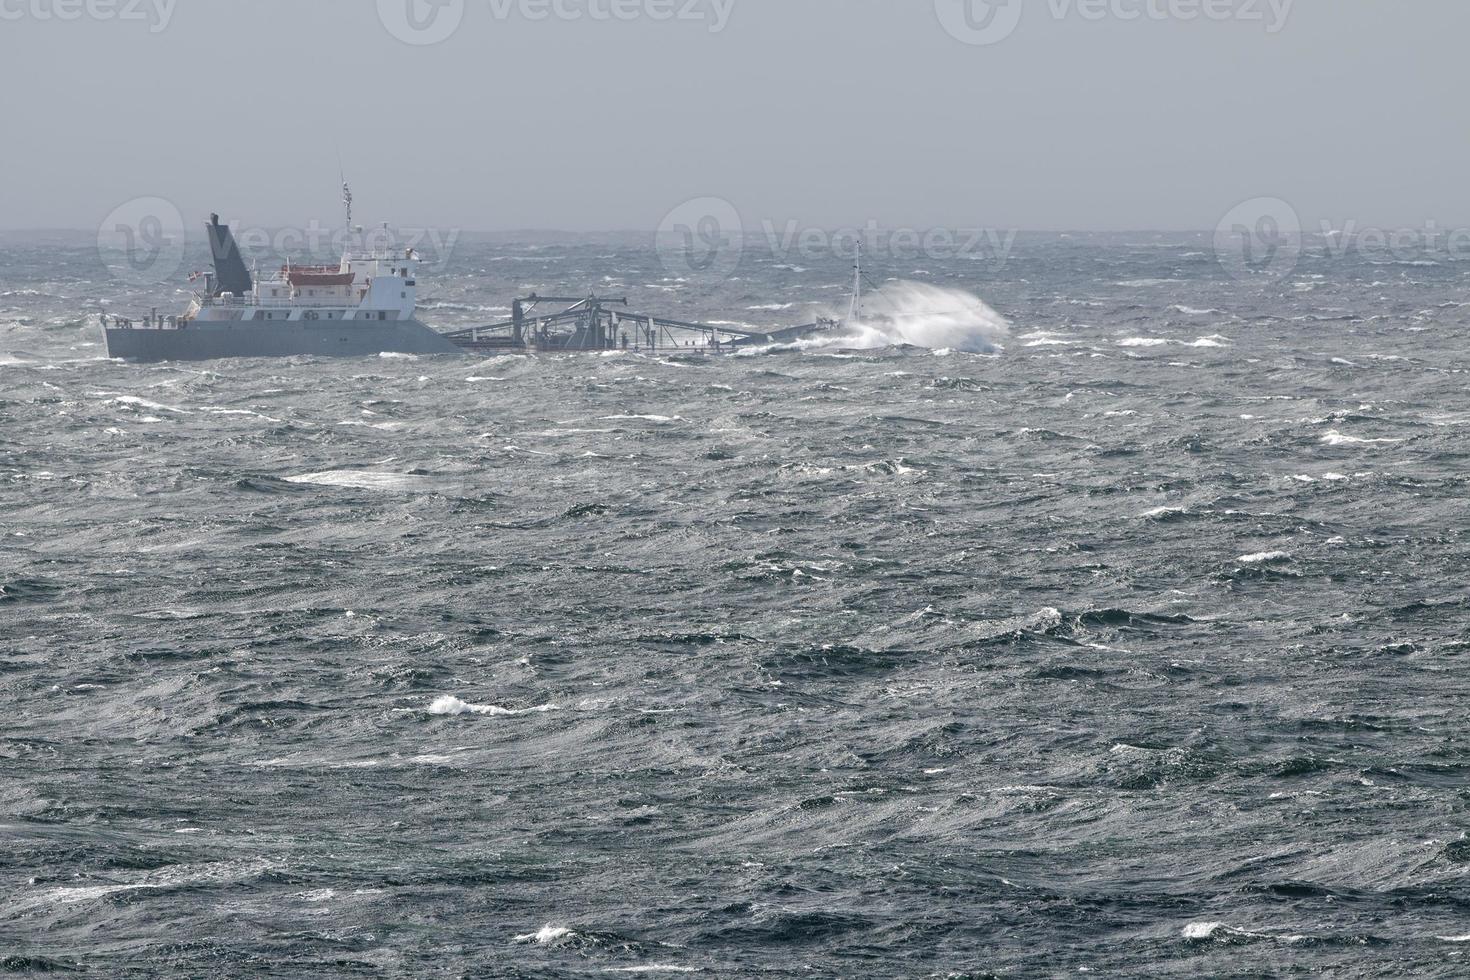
point(346, 191)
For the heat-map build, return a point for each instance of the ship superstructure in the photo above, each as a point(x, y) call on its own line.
point(363, 305)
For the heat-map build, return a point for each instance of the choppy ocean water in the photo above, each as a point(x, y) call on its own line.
point(1135, 648)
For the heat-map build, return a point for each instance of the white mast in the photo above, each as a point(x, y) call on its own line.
point(855, 311)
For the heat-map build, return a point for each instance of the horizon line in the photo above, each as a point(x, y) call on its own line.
point(59, 230)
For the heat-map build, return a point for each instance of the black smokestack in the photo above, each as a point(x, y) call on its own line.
point(230, 274)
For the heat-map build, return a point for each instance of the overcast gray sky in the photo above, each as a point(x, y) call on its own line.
point(825, 112)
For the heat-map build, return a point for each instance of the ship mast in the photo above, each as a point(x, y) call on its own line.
point(855, 311)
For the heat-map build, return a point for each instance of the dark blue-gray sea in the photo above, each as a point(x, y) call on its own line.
point(1136, 646)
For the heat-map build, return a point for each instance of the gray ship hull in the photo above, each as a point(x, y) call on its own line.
point(207, 341)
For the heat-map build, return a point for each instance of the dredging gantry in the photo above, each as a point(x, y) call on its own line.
point(603, 323)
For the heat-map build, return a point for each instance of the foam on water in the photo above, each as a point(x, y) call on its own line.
point(167, 878)
point(136, 402)
point(923, 315)
point(1335, 438)
point(641, 418)
point(652, 968)
point(360, 480)
point(1202, 930)
point(1213, 930)
point(547, 935)
point(450, 705)
point(1264, 558)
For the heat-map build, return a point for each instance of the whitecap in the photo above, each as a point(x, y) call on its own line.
point(1264, 558)
point(547, 935)
point(919, 315)
point(1202, 930)
point(174, 876)
point(1335, 438)
point(211, 410)
point(451, 705)
point(643, 418)
point(145, 403)
point(1207, 930)
point(358, 479)
point(89, 892)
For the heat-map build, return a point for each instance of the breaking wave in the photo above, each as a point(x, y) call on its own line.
point(922, 315)
point(450, 705)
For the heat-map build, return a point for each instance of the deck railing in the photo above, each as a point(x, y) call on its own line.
point(250, 302)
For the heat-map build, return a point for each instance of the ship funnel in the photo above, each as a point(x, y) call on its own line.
point(230, 274)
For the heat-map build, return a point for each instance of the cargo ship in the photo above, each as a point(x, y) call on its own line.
point(364, 305)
